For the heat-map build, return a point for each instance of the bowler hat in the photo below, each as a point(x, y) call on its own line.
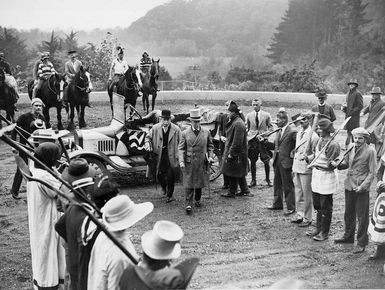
point(79, 173)
point(353, 81)
point(376, 90)
point(195, 115)
point(120, 212)
point(163, 241)
point(166, 114)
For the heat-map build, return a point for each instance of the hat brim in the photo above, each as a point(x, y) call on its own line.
point(194, 119)
point(351, 83)
point(91, 172)
point(140, 210)
point(154, 253)
point(376, 93)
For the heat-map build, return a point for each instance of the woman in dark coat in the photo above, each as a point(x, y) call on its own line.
point(235, 162)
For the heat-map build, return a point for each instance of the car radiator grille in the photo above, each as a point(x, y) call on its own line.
point(106, 146)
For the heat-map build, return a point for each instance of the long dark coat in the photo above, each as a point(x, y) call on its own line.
point(354, 105)
point(193, 151)
point(236, 146)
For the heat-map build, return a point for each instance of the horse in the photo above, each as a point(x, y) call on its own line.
point(78, 97)
point(150, 87)
point(50, 93)
point(7, 101)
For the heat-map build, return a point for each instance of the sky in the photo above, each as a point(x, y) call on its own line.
point(73, 14)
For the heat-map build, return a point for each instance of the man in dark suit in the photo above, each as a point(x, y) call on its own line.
point(282, 162)
point(323, 108)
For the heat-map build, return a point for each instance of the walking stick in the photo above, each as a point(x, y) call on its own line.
point(29, 177)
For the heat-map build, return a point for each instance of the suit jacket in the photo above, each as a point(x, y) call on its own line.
point(283, 147)
point(193, 150)
point(328, 111)
point(362, 166)
point(155, 137)
point(301, 146)
point(373, 108)
point(263, 125)
point(354, 105)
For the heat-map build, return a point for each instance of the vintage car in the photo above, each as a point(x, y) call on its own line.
point(120, 145)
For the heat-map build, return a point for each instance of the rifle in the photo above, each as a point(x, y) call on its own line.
point(327, 143)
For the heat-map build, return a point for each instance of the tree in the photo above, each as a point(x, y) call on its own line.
point(53, 46)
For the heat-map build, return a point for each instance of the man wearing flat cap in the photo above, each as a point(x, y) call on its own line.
point(352, 108)
point(362, 165)
point(323, 108)
point(235, 154)
point(195, 154)
point(29, 122)
point(324, 180)
point(163, 139)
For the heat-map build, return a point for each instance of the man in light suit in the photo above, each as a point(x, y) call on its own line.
point(258, 122)
point(282, 162)
point(163, 140)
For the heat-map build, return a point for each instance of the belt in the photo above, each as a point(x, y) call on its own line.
point(322, 169)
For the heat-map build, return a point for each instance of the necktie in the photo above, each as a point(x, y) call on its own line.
point(279, 134)
point(256, 120)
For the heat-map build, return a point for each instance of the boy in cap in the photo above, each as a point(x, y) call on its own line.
point(362, 165)
point(324, 180)
point(27, 122)
point(195, 154)
point(107, 262)
point(306, 141)
point(323, 108)
point(47, 253)
point(160, 246)
point(163, 139)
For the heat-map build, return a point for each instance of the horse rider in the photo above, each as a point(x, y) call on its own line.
point(118, 67)
point(71, 67)
point(9, 79)
point(45, 69)
point(145, 62)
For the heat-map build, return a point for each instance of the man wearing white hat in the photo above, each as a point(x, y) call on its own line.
point(107, 262)
point(362, 165)
point(160, 246)
point(195, 154)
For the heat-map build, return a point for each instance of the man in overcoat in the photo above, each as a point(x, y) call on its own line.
point(195, 154)
point(163, 139)
point(258, 122)
point(352, 108)
point(284, 144)
point(235, 155)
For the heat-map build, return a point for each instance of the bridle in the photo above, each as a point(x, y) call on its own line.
point(84, 79)
point(130, 87)
point(49, 85)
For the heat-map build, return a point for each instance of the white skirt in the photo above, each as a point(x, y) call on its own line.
point(324, 182)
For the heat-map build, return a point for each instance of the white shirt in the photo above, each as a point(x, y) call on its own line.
point(119, 66)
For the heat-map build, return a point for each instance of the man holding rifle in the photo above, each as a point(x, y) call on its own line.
point(258, 122)
point(361, 164)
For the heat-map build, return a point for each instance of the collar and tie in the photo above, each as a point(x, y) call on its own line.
point(256, 120)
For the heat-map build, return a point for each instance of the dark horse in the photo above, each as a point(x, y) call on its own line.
point(150, 87)
point(7, 101)
point(78, 97)
point(50, 93)
point(127, 87)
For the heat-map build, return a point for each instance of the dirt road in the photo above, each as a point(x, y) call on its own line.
point(241, 244)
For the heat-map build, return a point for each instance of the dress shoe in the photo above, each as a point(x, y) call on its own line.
point(269, 184)
point(297, 220)
point(320, 237)
point(170, 199)
point(252, 183)
point(198, 203)
point(304, 224)
point(313, 232)
point(229, 195)
point(344, 241)
point(188, 209)
point(289, 212)
point(15, 195)
point(358, 249)
point(275, 208)
point(247, 193)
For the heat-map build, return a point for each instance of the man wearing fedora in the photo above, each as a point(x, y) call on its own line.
point(235, 162)
point(71, 67)
point(47, 252)
point(323, 108)
point(163, 139)
point(352, 108)
point(160, 246)
point(29, 122)
point(258, 122)
point(361, 165)
point(195, 154)
point(107, 262)
point(324, 180)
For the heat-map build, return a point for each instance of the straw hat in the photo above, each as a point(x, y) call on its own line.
point(195, 115)
point(163, 241)
point(120, 212)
